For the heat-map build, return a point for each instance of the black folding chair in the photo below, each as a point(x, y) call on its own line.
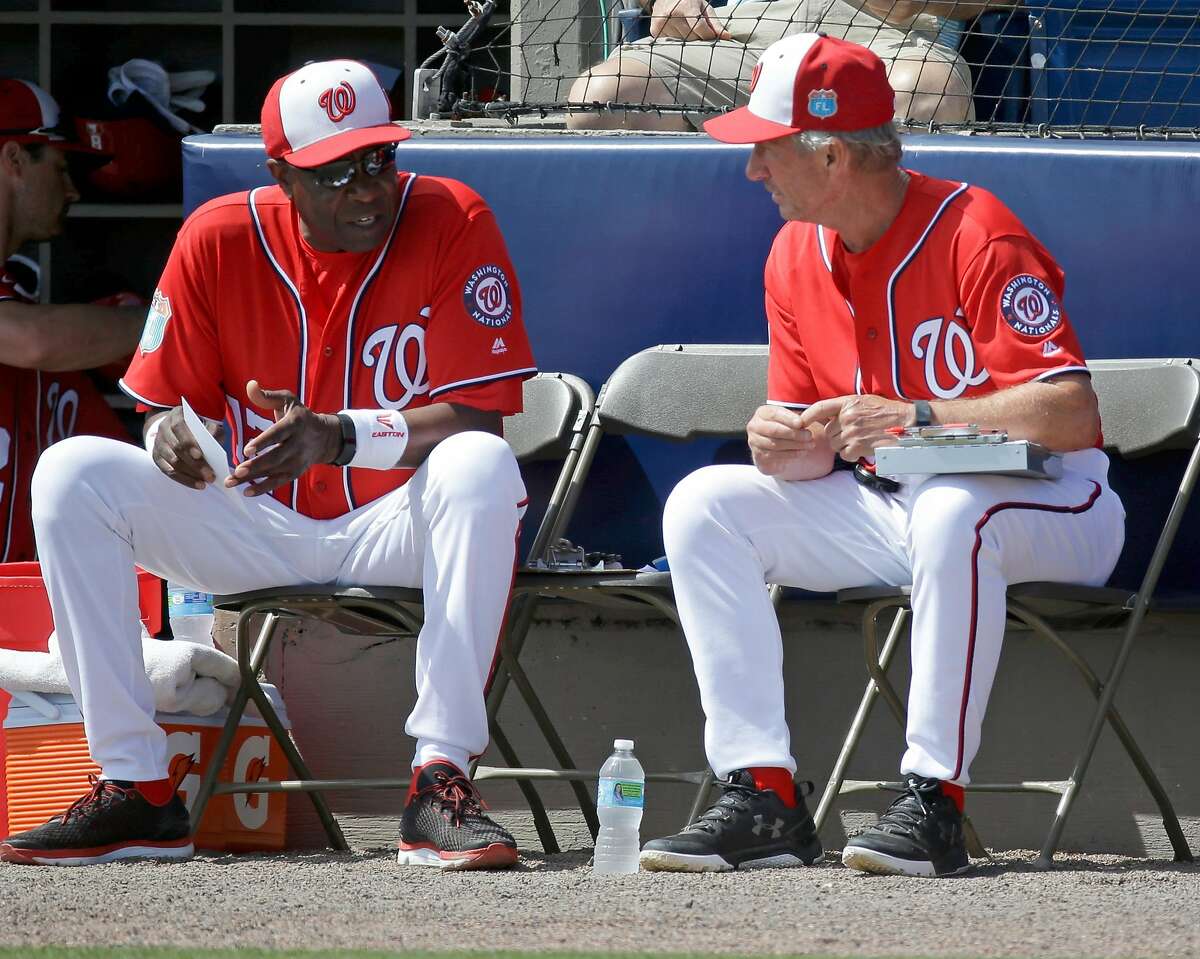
point(1147, 407)
point(556, 407)
point(677, 393)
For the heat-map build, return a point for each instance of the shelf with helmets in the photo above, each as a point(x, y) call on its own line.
point(130, 209)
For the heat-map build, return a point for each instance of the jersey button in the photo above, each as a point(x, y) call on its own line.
point(328, 351)
point(871, 333)
point(320, 486)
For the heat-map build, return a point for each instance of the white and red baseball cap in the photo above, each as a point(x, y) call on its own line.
point(809, 81)
point(326, 110)
point(28, 114)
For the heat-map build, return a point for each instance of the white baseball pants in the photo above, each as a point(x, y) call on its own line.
point(100, 506)
point(958, 540)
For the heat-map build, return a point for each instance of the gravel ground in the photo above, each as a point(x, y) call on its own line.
point(1089, 906)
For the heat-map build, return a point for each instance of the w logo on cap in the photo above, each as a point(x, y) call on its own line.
point(755, 75)
point(338, 102)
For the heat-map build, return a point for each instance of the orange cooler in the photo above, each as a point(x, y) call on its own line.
point(48, 765)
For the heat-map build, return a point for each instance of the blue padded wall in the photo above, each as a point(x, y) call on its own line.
point(623, 243)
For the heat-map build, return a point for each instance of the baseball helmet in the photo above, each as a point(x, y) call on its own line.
point(146, 160)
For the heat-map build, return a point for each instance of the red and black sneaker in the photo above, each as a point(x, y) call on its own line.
point(444, 824)
point(113, 821)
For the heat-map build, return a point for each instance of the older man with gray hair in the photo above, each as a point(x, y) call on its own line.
point(894, 300)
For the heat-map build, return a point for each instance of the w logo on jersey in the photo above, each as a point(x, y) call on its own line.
point(397, 356)
point(955, 373)
point(338, 102)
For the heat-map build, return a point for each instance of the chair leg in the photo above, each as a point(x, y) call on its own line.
point(871, 649)
point(700, 803)
point(299, 766)
point(254, 659)
point(250, 661)
point(1105, 711)
point(587, 805)
point(217, 759)
point(541, 821)
point(834, 787)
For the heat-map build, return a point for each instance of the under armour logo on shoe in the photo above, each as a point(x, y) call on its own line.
point(776, 827)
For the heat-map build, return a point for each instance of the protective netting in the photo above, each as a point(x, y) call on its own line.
point(1064, 67)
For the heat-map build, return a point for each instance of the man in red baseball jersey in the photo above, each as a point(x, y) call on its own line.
point(42, 398)
point(359, 330)
point(893, 300)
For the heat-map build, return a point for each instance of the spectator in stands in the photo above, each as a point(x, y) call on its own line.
point(41, 399)
point(698, 55)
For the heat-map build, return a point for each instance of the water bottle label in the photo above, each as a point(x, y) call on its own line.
point(621, 792)
point(188, 603)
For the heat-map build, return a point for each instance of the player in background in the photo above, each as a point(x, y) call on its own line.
point(359, 329)
point(893, 299)
point(42, 398)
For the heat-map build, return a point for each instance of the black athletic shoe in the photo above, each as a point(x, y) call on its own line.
point(444, 824)
point(113, 821)
point(920, 834)
point(746, 827)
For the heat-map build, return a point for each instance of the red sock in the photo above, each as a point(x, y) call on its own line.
point(778, 780)
point(157, 792)
point(956, 794)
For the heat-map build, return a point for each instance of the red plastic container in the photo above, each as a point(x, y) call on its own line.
point(26, 623)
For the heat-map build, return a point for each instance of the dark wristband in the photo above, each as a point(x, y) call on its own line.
point(349, 441)
point(924, 413)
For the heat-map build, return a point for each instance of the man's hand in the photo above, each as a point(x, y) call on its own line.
point(178, 455)
point(281, 453)
point(686, 20)
point(855, 425)
point(782, 446)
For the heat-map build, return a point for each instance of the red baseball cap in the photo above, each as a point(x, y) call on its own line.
point(809, 81)
point(28, 114)
point(326, 110)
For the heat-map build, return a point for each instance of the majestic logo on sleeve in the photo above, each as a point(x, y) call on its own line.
point(338, 102)
point(822, 103)
point(486, 296)
point(1030, 307)
point(156, 323)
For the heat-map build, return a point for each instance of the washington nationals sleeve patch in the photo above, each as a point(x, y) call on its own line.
point(156, 323)
point(1030, 307)
point(487, 298)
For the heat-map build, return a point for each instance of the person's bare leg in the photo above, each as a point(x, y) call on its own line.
point(931, 90)
point(622, 80)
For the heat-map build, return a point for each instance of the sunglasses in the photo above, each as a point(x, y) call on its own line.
point(337, 176)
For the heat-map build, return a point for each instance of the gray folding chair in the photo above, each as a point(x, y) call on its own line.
point(1147, 407)
point(672, 392)
point(556, 407)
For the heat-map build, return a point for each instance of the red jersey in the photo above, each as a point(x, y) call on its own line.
point(956, 299)
point(37, 410)
point(433, 315)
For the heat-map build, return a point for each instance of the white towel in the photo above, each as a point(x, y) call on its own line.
point(186, 677)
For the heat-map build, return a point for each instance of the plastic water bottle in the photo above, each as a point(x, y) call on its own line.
point(190, 613)
point(619, 800)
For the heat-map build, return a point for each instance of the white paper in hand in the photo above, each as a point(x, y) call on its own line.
point(214, 455)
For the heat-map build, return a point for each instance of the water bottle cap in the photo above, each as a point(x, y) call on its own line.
point(623, 744)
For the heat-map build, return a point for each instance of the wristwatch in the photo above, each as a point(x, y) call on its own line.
point(349, 441)
point(924, 413)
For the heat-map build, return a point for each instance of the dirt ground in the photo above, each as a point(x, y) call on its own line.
point(1089, 906)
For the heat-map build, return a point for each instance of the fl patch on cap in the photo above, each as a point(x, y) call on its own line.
point(326, 110)
point(809, 81)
